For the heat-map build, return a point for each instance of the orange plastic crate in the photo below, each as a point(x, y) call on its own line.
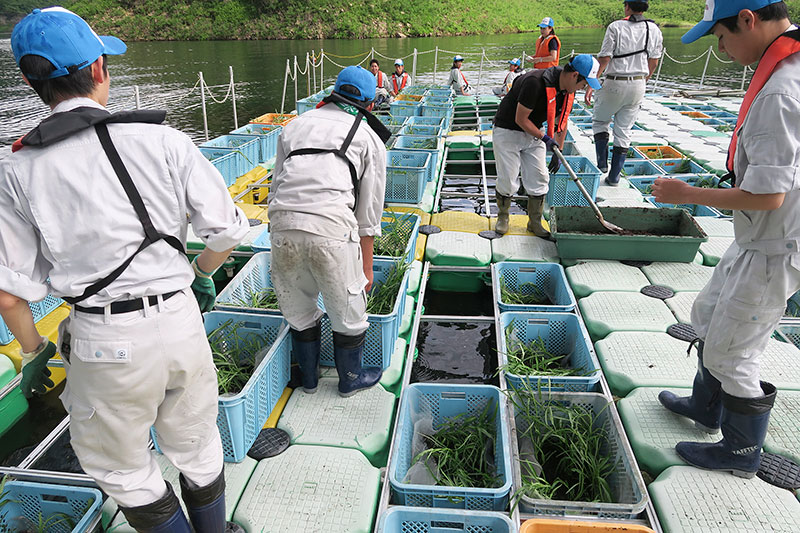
point(660, 152)
point(695, 114)
point(545, 525)
point(276, 119)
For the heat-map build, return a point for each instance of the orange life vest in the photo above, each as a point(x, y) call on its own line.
point(403, 77)
point(781, 48)
point(380, 79)
point(566, 108)
point(542, 50)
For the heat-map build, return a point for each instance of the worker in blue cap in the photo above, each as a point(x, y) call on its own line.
point(548, 46)
point(736, 313)
point(514, 71)
point(325, 208)
point(628, 57)
point(457, 81)
point(94, 208)
point(400, 78)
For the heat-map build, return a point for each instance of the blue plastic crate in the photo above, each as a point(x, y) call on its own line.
point(693, 209)
point(407, 221)
point(423, 144)
point(441, 93)
point(391, 120)
point(407, 174)
point(262, 243)
point(678, 166)
point(26, 503)
point(381, 333)
point(440, 402)
point(39, 310)
point(549, 278)
point(405, 108)
point(247, 145)
point(308, 103)
point(267, 135)
point(427, 121)
point(563, 334)
point(230, 163)
point(641, 167)
point(242, 416)
point(564, 191)
point(401, 519)
point(421, 130)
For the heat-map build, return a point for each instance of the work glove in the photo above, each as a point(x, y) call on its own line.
point(203, 288)
point(549, 142)
point(555, 164)
point(35, 374)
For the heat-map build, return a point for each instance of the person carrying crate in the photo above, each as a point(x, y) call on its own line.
point(628, 57)
point(325, 208)
point(521, 145)
point(93, 208)
point(736, 313)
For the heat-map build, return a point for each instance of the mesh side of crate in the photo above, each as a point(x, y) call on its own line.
point(39, 310)
point(530, 278)
point(406, 175)
point(230, 163)
point(27, 503)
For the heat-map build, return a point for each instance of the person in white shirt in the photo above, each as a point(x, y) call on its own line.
point(457, 80)
point(400, 78)
point(514, 71)
point(382, 85)
point(94, 207)
point(628, 57)
point(325, 208)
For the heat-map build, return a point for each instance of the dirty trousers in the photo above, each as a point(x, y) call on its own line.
point(620, 101)
point(516, 151)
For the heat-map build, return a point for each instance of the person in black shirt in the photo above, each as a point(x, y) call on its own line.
point(519, 142)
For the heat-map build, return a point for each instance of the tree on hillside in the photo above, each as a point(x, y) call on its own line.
point(18, 7)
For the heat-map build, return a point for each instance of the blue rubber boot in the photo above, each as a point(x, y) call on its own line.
point(618, 155)
point(704, 406)
point(744, 427)
point(306, 347)
point(206, 506)
point(601, 150)
point(162, 516)
point(347, 353)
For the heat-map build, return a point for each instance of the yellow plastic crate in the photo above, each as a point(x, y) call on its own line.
point(276, 119)
point(460, 221)
point(255, 196)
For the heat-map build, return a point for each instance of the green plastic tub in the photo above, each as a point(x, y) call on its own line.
point(664, 234)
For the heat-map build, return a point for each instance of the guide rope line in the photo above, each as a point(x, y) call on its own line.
point(701, 56)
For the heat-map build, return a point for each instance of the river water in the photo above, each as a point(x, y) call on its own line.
point(167, 73)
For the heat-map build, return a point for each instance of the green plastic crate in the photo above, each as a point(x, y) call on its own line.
point(579, 234)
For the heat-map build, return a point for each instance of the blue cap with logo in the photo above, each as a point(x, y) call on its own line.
point(717, 10)
point(358, 77)
point(398, 61)
point(547, 22)
point(515, 62)
point(457, 58)
point(63, 38)
point(587, 66)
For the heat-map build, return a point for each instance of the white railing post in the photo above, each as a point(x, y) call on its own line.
point(285, 81)
point(136, 96)
point(435, 63)
point(295, 78)
point(744, 77)
point(658, 72)
point(203, 100)
point(414, 67)
point(522, 61)
point(480, 69)
point(233, 99)
point(708, 57)
point(321, 68)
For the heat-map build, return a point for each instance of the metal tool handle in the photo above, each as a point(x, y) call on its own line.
point(577, 181)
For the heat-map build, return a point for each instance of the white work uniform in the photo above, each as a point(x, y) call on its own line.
point(315, 232)
point(516, 151)
point(620, 99)
point(739, 308)
point(64, 216)
point(456, 80)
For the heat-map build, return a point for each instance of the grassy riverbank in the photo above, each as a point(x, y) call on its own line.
point(313, 19)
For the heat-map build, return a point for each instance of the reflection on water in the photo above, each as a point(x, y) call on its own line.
point(456, 352)
point(166, 73)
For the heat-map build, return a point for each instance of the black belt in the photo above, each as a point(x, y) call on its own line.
point(125, 306)
point(626, 78)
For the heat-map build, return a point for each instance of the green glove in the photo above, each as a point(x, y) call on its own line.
point(36, 375)
point(203, 288)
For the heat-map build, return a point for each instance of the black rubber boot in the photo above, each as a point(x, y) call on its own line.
point(601, 150)
point(618, 155)
point(744, 428)
point(704, 406)
point(347, 353)
point(535, 210)
point(503, 205)
point(306, 348)
point(206, 506)
point(161, 516)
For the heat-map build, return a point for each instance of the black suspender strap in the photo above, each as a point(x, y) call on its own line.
point(341, 153)
point(151, 234)
point(646, 40)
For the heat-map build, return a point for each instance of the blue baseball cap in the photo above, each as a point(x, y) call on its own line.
point(515, 61)
point(547, 22)
point(717, 10)
point(63, 38)
point(358, 77)
point(398, 62)
point(587, 66)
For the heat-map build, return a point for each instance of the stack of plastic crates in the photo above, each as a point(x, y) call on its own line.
point(39, 310)
point(266, 338)
point(28, 506)
point(561, 334)
point(563, 191)
point(625, 482)
point(267, 135)
point(405, 108)
point(230, 163)
point(428, 144)
point(440, 402)
point(407, 174)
